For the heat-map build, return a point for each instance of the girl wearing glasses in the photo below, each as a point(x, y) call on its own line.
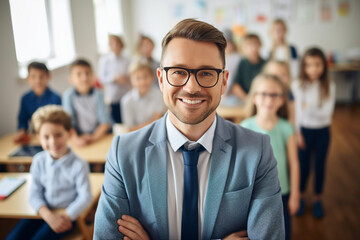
point(267, 108)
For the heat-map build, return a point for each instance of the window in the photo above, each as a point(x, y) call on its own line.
point(108, 20)
point(42, 32)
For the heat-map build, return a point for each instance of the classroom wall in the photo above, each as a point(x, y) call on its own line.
point(155, 18)
point(12, 88)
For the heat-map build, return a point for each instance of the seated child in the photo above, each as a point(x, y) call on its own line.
point(39, 95)
point(249, 66)
point(60, 179)
point(143, 104)
point(85, 105)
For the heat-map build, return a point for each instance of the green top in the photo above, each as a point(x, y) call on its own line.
point(246, 73)
point(279, 136)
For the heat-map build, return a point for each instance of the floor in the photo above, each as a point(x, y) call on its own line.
point(341, 196)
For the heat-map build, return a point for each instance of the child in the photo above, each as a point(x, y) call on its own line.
point(249, 66)
point(314, 106)
point(282, 71)
point(85, 105)
point(281, 50)
point(113, 74)
point(59, 179)
point(144, 103)
point(267, 106)
point(40, 95)
point(145, 48)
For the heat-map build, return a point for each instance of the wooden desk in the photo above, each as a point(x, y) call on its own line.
point(233, 113)
point(94, 153)
point(17, 205)
point(352, 76)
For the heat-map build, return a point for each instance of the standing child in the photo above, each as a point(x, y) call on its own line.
point(60, 179)
point(267, 106)
point(282, 71)
point(250, 65)
point(86, 105)
point(144, 103)
point(39, 95)
point(281, 50)
point(145, 49)
point(113, 74)
point(314, 106)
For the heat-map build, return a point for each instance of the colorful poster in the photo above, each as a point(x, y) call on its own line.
point(343, 8)
point(305, 11)
point(259, 10)
point(283, 9)
point(325, 10)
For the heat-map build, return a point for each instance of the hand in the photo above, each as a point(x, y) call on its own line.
point(131, 228)
point(22, 137)
point(293, 204)
point(82, 140)
point(300, 140)
point(120, 79)
point(59, 223)
point(237, 235)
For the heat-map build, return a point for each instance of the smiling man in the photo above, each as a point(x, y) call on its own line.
point(191, 174)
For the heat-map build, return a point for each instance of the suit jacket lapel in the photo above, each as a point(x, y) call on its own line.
point(156, 167)
point(219, 167)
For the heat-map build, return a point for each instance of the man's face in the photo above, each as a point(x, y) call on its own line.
point(191, 103)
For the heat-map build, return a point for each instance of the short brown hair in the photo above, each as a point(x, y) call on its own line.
point(251, 36)
point(52, 114)
point(198, 31)
point(118, 39)
point(139, 64)
point(38, 66)
point(80, 62)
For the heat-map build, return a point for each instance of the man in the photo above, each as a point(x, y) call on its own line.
point(149, 176)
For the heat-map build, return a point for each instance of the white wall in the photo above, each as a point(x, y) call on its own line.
point(155, 18)
point(11, 87)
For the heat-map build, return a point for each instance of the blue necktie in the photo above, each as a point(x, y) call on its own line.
point(189, 223)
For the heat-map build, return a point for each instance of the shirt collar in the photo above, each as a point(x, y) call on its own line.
point(51, 161)
point(46, 93)
point(89, 93)
point(177, 139)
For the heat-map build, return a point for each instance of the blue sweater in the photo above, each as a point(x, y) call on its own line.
point(30, 102)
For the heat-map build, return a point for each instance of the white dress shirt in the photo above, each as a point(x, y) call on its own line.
point(310, 110)
point(109, 66)
point(136, 109)
point(175, 175)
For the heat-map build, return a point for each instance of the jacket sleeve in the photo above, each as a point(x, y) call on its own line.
point(113, 201)
point(265, 219)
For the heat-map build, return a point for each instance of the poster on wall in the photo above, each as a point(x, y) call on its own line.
point(259, 10)
point(343, 8)
point(283, 9)
point(305, 11)
point(188, 9)
point(325, 10)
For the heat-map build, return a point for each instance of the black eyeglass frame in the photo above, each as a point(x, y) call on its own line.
point(195, 71)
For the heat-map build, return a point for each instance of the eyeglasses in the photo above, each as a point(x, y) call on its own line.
point(205, 77)
point(271, 95)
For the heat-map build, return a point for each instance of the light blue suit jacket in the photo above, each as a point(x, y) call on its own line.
point(243, 187)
